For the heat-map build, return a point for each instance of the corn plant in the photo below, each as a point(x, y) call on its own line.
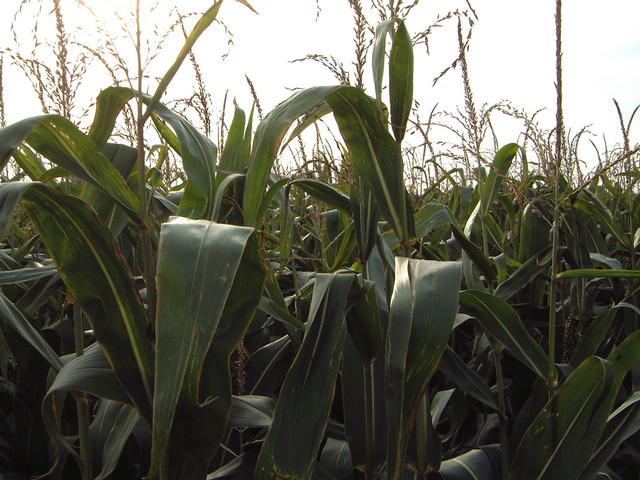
point(251, 326)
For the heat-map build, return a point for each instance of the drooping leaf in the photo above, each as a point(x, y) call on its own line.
point(210, 281)
point(92, 267)
point(10, 315)
point(26, 274)
point(268, 138)
point(323, 192)
point(525, 274)
point(363, 325)
point(251, 411)
point(199, 155)
point(423, 308)
point(479, 464)
point(502, 322)
point(64, 144)
point(109, 104)
point(302, 409)
point(110, 430)
point(621, 424)
point(375, 155)
point(466, 378)
point(88, 373)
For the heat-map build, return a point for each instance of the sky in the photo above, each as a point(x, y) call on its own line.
point(511, 56)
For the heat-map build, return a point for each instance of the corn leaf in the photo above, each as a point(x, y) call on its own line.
point(91, 266)
point(477, 464)
point(375, 155)
point(423, 308)
point(199, 156)
point(622, 424)
point(325, 193)
point(110, 429)
point(59, 140)
point(559, 442)
point(400, 81)
point(109, 104)
point(268, 138)
point(499, 168)
point(209, 281)
point(501, 321)
point(300, 417)
point(378, 58)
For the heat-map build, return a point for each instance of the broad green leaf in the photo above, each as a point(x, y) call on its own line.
point(268, 138)
point(375, 155)
point(363, 325)
point(323, 192)
point(29, 162)
point(10, 315)
point(355, 377)
point(423, 308)
point(210, 281)
point(27, 274)
point(568, 428)
point(123, 159)
point(473, 255)
point(499, 170)
point(502, 322)
point(240, 468)
point(593, 336)
point(598, 272)
point(221, 190)
point(621, 424)
point(110, 430)
point(400, 80)
point(525, 274)
point(478, 464)
point(251, 411)
point(279, 313)
point(92, 267)
point(600, 213)
point(307, 120)
point(336, 458)
point(378, 59)
point(465, 378)
point(109, 104)
point(199, 156)
point(430, 217)
point(365, 215)
point(560, 440)
point(63, 143)
point(300, 418)
point(237, 148)
point(88, 373)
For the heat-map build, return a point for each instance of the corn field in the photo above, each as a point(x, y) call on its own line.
point(233, 322)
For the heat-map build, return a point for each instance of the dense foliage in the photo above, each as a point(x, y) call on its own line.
point(250, 326)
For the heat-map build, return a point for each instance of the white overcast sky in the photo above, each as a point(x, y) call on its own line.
point(511, 56)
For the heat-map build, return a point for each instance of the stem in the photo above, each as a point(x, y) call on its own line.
point(81, 399)
point(147, 257)
point(556, 210)
point(367, 373)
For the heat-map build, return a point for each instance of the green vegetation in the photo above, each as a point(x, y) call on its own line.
point(343, 325)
